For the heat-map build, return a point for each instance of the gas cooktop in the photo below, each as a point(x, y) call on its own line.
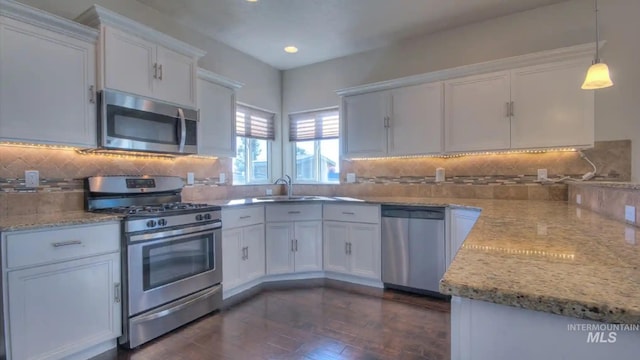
point(164, 209)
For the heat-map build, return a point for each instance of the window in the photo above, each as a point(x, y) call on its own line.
point(316, 148)
point(254, 130)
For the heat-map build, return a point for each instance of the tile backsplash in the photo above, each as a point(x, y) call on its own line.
point(497, 176)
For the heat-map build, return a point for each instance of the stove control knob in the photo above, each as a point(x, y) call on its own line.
point(151, 223)
point(162, 222)
point(207, 216)
point(199, 217)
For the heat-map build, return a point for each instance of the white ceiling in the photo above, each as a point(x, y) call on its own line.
point(327, 29)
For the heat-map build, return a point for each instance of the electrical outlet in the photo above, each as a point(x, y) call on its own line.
point(542, 174)
point(630, 214)
point(269, 192)
point(223, 178)
point(630, 235)
point(31, 178)
point(190, 178)
point(351, 178)
point(578, 199)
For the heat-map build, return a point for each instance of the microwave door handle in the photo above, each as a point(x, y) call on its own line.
point(183, 130)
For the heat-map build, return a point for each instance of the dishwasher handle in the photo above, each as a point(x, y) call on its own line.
point(413, 212)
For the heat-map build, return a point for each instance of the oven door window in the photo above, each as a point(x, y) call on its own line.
point(171, 261)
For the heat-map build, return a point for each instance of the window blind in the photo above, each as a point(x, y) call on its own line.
point(254, 123)
point(314, 125)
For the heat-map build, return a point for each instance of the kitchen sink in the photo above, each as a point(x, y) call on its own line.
point(289, 198)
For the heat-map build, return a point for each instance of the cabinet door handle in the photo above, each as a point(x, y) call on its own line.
point(117, 293)
point(346, 248)
point(349, 248)
point(296, 242)
point(92, 94)
point(160, 68)
point(247, 250)
point(155, 70)
point(511, 111)
point(67, 243)
point(245, 217)
point(508, 108)
point(348, 213)
point(294, 212)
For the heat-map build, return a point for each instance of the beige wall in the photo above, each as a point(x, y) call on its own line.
point(550, 27)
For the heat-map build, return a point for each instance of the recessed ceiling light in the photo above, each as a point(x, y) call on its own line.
point(252, 0)
point(291, 49)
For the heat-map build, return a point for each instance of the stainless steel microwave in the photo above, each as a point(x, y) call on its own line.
point(130, 122)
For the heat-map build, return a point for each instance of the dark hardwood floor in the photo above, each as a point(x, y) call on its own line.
point(315, 323)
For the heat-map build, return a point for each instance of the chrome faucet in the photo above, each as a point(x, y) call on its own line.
point(286, 180)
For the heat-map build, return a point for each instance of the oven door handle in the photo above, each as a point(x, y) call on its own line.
point(171, 233)
point(168, 311)
point(183, 130)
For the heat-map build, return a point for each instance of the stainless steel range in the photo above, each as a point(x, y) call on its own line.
point(171, 253)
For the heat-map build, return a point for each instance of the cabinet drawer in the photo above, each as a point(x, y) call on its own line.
point(26, 248)
point(294, 212)
point(352, 213)
point(248, 215)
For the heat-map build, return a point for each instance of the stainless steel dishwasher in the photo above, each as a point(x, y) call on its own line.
point(413, 247)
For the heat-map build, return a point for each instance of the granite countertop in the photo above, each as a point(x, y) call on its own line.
point(546, 256)
point(38, 221)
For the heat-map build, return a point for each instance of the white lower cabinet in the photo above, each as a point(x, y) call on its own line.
point(67, 300)
point(294, 238)
point(243, 252)
point(352, 241)
point(294, 247)
point(461, 222)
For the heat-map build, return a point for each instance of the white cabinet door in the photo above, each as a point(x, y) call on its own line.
point(365, 133)
point(336, 239)
point(82, 309)
point(308, 255)
point(254, 264)
point(549, 108)
point(364, 254)
point(476, 113)
point(232, 257)
point(461, 223)
point(45, 86)
point(279, 248)
point(416, 120)
point(176, 77)
point(217, 126)
point(129, 63)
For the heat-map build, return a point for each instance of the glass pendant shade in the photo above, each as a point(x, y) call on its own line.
point(597, 77)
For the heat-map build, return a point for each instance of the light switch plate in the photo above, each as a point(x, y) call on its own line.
point(223, 178)
point(190, 178)
point(31, 178)
point(630, 213)
point(542, 174)
point(351, 178)
point(578, 199)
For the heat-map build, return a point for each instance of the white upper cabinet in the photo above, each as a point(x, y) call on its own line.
point(549, 107)
point(477, 113)
point(47, 78)
point(365, 119)
point(217, 126)
point(415, 124)
point(148, 63)
point(402, 121)
point(129, 63)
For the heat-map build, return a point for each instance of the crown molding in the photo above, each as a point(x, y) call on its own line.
point(36, 17)
point(96, 16)
point(218, 79)
point(561, 54)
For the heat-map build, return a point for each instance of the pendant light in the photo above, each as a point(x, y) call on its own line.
point(598, 74)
